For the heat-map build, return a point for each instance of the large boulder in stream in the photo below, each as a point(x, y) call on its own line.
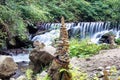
point(108, 38)
point(41, 57)
point(7, 66)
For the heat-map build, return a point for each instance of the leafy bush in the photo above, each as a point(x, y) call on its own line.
point(7, 15)
point(29, 74)
point(72, 10)
point(15, 23)
point(117, 41)
point(34, 13)
point(104, 46)
point(83, 48)
point(77, 75)
point(15, 13)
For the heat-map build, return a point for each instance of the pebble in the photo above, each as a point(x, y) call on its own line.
point(100, 69)
point(22, 77)
point(108, 68)
point(12, 79)
point(100, 74)
point(118, 72)
point(88, 59)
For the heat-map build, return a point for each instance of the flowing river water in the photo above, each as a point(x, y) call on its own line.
point(92, 30)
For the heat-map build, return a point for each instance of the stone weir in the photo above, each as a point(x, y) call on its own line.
point(82, 29)
point(92, 30)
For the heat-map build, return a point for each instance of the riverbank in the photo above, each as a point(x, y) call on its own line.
point(92, 65)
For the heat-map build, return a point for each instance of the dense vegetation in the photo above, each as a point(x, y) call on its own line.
point(52, 10)
point(16, 14)
point(85, 48)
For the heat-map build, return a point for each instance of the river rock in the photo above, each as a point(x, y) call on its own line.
point(100, 74)
point(108, 38)
point(12, 78)
point(7, 66)
point(108, 67)
point(100, 68)
point(41, 58)
point(22, 77)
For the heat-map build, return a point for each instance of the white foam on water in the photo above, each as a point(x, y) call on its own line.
point(95, 38)
point(48, 37)
point(117, 34)
point(21, 58)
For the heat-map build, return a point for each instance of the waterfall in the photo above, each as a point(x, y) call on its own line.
point(48, 37)
point(92, 30)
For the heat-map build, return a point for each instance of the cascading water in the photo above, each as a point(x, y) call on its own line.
point(48, 37)
point(92, 30)
point(21, 57)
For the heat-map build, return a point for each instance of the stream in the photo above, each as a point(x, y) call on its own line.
point(92, 30)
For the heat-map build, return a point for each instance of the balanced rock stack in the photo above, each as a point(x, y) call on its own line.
point(63, 44)
point(61, 60)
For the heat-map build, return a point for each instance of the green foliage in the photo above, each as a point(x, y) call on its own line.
point(113, 69)
point(7, 15)
point(72, 10)
point(34, 13)
point(83, 48)
point(104, 46)
point(29, 74)
point(114, 9)
point(11, 16)
point(15, 13)
point(46, 78)
point(117, 41)
point(118, 78)
point(77, 75)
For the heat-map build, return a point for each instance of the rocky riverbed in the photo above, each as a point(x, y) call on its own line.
point(106, 59)
point(93, 65)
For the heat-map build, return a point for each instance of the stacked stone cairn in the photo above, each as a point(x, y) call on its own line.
point(61, 60)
